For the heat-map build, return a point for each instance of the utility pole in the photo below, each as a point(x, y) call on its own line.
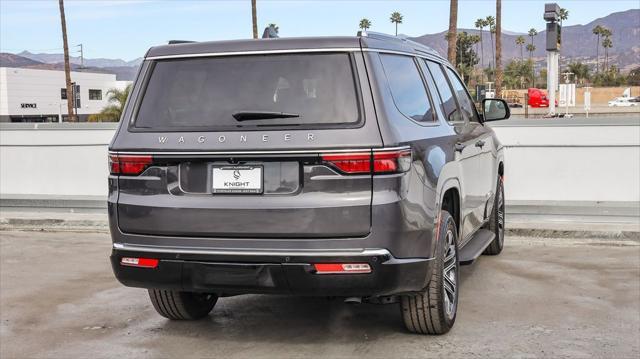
point(254, 18)
point(452, 35)
point(81, 56)
point(498, 76)
point(67, 68)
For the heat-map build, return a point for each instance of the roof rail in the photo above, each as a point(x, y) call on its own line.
point(400, 38)
point(175, 42)
point(380, 36)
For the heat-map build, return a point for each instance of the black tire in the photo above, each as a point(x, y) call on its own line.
point(176, 305)
point(433, 311)
point(497, 221)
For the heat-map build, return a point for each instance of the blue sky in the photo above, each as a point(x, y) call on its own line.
point(126, 28)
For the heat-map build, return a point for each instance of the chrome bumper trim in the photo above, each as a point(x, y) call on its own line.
point(238, 252)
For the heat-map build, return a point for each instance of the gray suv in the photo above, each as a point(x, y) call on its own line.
point(353, 167)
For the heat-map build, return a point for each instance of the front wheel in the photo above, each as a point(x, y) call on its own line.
point(177, 305)
point(433, 311)
point(496, 221)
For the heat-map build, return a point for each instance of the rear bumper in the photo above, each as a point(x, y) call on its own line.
point(278, 272)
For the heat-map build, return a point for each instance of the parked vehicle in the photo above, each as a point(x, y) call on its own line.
point(623, 102)
point(538, 98)
point(355, 167)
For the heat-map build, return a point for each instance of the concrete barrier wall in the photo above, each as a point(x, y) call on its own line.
point(54, 159)
point(546, 160)
point(571, 160)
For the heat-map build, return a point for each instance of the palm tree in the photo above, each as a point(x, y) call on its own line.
point(453, 31)
point(564, 14)
point(365, 24)
point(67, 68)
point(490, 21)
point(254, 18)
point(498, 48)
point(532, 33)
point(607, 43)
point(580, 70)
point(520, 41)
point(396, 18)
point(116, 99)
point(531, 48)
point(597, 30)
point(480, 24)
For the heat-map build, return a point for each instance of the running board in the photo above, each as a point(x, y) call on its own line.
point(474, 248)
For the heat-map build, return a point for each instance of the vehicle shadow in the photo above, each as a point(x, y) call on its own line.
point(294, 320)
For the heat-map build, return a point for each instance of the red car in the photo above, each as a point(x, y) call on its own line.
point(538, 98)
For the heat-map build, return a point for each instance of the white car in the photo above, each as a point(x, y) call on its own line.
point(622, 102)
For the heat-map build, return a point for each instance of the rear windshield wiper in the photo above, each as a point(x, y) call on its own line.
point(262, 115)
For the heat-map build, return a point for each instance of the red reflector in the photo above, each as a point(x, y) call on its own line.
point(139, 262)
point(128, 165)
point(341, 268)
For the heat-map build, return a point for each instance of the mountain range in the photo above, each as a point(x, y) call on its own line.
point(578, 43)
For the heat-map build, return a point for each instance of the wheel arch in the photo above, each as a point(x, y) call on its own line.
point(449, 199)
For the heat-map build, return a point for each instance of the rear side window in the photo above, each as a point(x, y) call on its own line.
point(466, 104)
point(407, 87)
point(225, 93)
point(449, 105)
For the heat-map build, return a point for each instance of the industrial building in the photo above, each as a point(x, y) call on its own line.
point(34, 95)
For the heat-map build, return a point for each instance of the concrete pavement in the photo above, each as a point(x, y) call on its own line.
point(540, 298)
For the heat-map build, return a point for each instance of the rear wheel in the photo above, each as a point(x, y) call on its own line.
point(433, 311)
point(496, 221)
point(177, 305)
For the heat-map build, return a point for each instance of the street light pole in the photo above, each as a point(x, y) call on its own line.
point(552, 16)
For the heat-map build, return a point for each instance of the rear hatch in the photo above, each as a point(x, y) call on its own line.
point(254, 146)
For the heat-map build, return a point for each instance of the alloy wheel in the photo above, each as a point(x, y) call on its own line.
point(450, 275)
point(501, 217)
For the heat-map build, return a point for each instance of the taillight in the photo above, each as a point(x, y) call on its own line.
point(377, 162)
point(129, 164)
point(392, 161)
point(351, 163)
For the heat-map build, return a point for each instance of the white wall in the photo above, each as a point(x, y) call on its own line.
point(42, 87)
point(545, 161)
point(571, 161)
point(68, 160)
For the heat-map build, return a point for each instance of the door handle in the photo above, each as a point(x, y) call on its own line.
point(480, 143)
point(460, 146)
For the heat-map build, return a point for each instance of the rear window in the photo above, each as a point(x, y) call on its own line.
point(226, 93)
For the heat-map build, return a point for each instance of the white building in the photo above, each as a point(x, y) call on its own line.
point(32, 95)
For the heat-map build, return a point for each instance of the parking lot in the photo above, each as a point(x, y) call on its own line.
point(540, 298)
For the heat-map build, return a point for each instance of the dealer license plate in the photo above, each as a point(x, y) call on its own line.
point(237, 179)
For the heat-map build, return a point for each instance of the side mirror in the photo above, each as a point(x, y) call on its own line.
point(494, 109)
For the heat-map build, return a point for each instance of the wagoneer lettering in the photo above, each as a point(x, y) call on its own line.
point(353, 167)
